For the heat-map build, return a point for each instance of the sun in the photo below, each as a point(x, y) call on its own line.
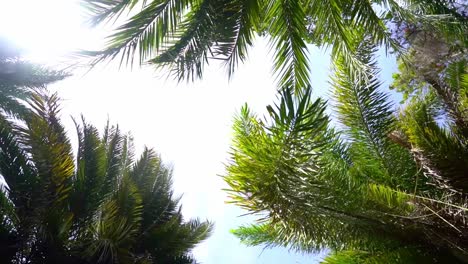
point(46, 30)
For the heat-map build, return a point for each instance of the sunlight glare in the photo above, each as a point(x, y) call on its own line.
point(45, 30)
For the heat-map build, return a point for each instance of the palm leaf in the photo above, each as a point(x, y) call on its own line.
point(114, 144)
point(366, 114)
point(88, 183)
point(240, 19)
point(143, 34)
point(288, 27)
point(49, 146)
point(102, 10)
point(192, 44)
point(395, 255)
point(442, 155)
point(266, 159)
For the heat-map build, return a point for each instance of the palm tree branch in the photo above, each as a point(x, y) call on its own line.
point(145, 33)
point(287, 29)
point(187, 55)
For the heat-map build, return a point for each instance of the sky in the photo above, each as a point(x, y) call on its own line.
point(189, 124)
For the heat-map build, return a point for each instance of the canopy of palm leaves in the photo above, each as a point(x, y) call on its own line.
point(186, 34)
point(380, 189)
point(103, 206)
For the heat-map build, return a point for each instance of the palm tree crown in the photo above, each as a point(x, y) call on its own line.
point(105, 206)
point(380, 189)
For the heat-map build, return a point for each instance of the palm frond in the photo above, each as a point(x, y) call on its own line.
point(277, 153)
point(45, 139)
point(162, 226)
point(154, 180)
point(441, 154)
point(313, 232)
point(396, 255)
point(393, 200)
point(332, 26)
point(111, 232)
point(146, 170)
point(49, 146)
point(367, 117)
point(114, 143)
point(239, 20)
point(20, 73)
point(174, 237)
point(15, 165)
point(105, 10)
point(145, 33)
point(311, 192)
point(287, 27)
point(457, 93)
point(188, 235)
point(192, 44)
point(12, 107)
point(130, 203)
point(18, 78)
point(90, 173)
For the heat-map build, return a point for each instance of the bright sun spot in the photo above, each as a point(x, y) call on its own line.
point(45, 29)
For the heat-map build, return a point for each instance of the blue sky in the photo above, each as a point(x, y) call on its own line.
point(189, 124)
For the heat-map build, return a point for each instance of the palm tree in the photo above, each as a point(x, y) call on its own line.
point(18, 77)
point(376, 189)
point(102, 207)
point(185, 35)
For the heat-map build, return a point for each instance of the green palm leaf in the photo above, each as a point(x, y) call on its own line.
point(240, 20)
point(288, 27)
point(145, 33)
point(395, 255)
point(191, 49)
point(442, 155)
point(89, 179)
point(366, 114)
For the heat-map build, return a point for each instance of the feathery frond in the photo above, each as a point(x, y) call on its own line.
point(287, 27)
